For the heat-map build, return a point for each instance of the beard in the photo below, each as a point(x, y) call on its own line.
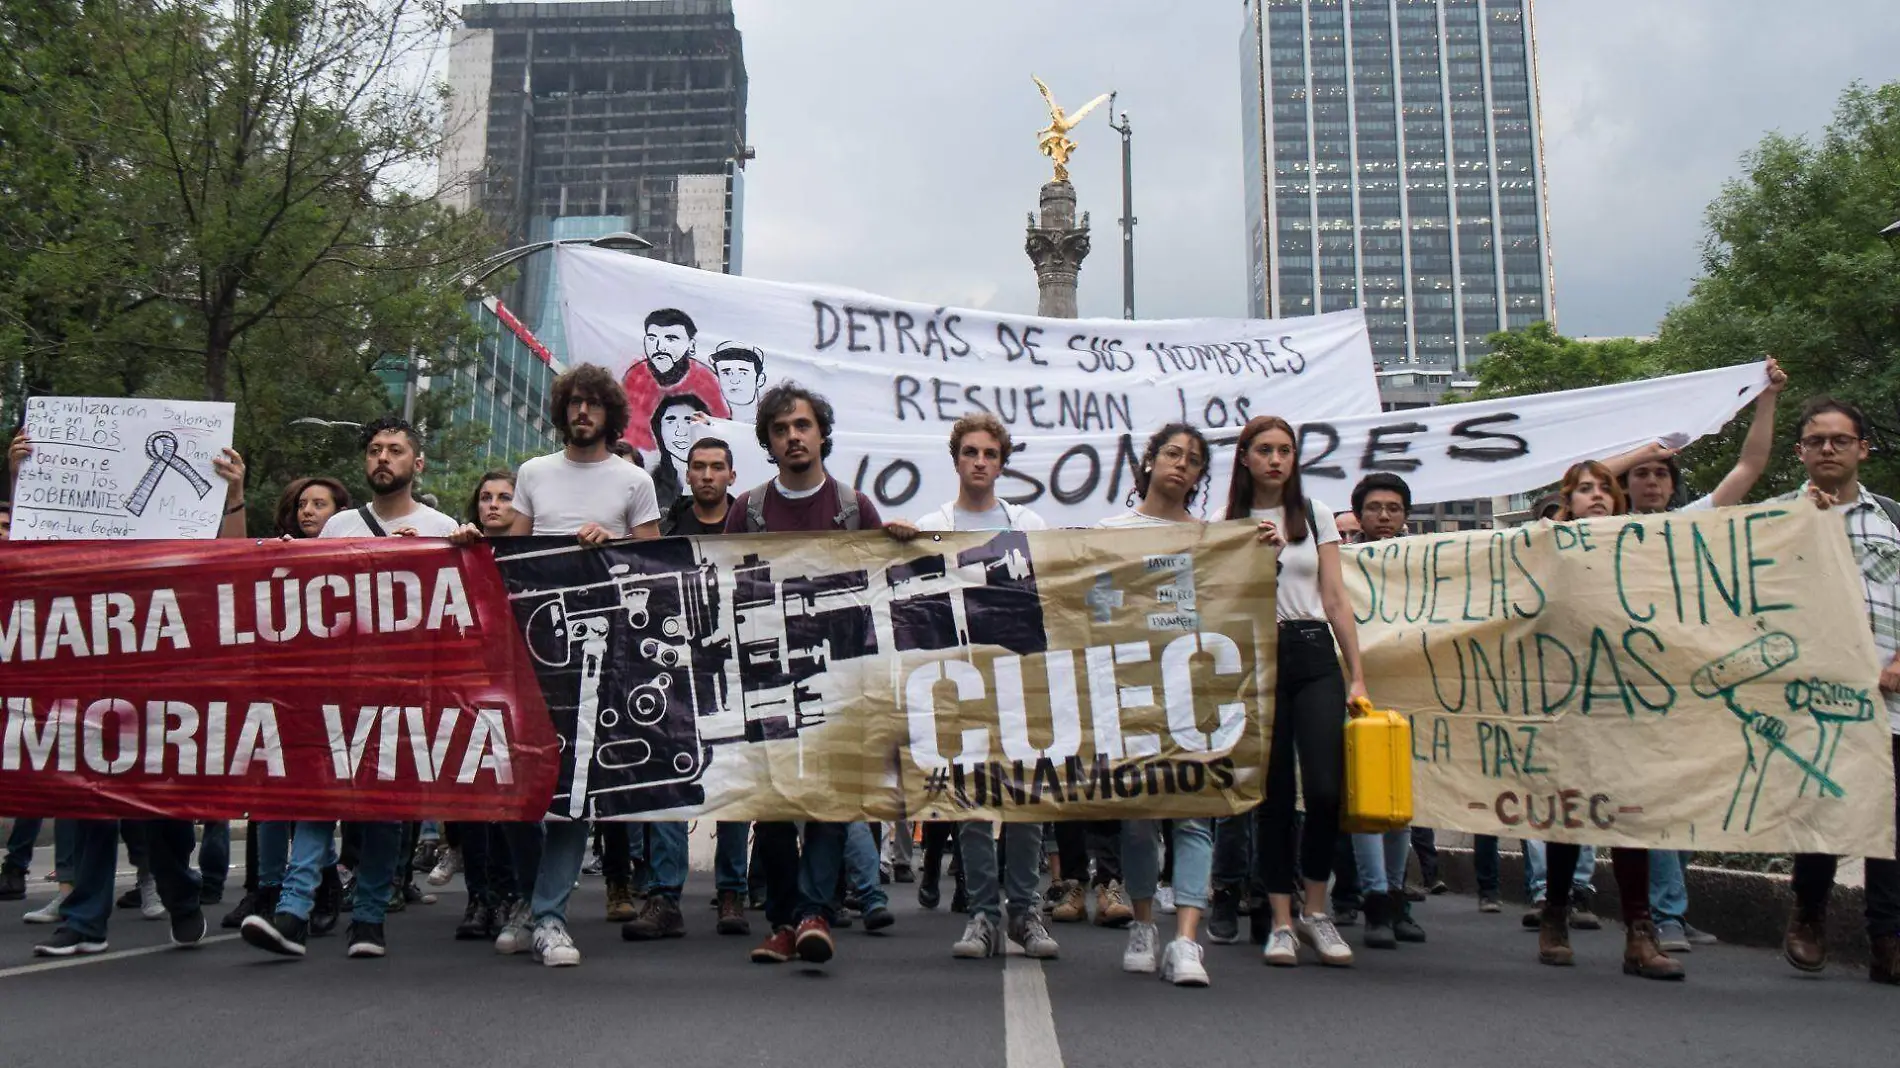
point(585, 436)
point(389, 481)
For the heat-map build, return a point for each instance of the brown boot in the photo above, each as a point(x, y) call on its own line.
point(1805, 944)
point(1886, 964)
point(1642, 956)
point(620, 905)
point(1553, 940)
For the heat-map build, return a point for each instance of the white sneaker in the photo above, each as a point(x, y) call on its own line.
point(1283, 949)
point(150, 906)
point(446, 868)
point(1164, 899)
point(553, 946)
point(980, 939)
point(517, 932)
point(1181, 965)
point(48, 913)
point(1318, 931)
point(1140, 954)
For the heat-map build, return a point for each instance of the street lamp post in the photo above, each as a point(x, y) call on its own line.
point(620, 241)
point(1128, 207)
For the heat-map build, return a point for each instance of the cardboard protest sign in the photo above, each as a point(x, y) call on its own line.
point(1687, 680)
point(121, 468)
point(1026, 677)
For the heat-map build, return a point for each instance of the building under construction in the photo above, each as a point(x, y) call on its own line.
point(582, 119)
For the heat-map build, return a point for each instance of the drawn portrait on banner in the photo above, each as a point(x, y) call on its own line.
point(741, 371)
point(669, 369)
point(672, 430)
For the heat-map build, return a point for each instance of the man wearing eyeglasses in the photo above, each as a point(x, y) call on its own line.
point(1832, 444)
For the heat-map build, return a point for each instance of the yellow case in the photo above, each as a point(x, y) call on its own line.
point(1378, 773)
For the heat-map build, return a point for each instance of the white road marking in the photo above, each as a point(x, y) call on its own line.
point(1029, 1025)
point(54, 964)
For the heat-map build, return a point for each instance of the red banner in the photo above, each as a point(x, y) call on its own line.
point(363, 679)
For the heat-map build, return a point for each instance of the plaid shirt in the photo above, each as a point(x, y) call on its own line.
point(1876, 543)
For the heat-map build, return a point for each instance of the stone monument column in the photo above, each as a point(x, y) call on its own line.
point(1057, 245)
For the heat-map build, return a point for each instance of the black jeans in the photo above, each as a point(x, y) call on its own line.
point(487, 869)
point(1080, 841)
point(1814, 879)
point(1309, 725)
point(1425, 848)
point(1484, 864)
point(775, 853)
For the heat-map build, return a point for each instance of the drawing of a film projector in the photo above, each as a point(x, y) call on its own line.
point(649, 668)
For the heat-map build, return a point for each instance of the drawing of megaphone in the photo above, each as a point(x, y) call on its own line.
point(1758, 659)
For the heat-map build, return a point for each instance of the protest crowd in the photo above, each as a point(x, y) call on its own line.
point(1286, 877)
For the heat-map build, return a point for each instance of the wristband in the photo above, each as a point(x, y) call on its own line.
point(235, 509)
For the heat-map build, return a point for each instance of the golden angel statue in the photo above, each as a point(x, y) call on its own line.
point(1054, 138)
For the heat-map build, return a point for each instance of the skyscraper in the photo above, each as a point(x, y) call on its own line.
point(583, 119)
point(1394, 162)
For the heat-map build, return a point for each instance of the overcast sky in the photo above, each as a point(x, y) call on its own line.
point(897, 141)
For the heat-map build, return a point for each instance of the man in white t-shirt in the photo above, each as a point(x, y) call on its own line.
point(392, 458)
point(586, 491)
point(980, 448)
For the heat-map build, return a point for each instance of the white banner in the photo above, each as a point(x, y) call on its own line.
point(121, 468)
point(1451, 452)
point(908, 371)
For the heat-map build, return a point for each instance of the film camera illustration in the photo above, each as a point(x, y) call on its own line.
point(998, 603)
point(644, 648)
point(641, 652)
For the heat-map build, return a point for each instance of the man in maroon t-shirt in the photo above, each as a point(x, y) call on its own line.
point(794, 425)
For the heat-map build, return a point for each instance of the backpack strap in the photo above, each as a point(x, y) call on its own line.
point(755, 508)
point(369, 520)
point(847, 517)
point(1889, 506)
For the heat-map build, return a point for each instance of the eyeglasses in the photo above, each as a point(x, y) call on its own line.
point(1840, 442)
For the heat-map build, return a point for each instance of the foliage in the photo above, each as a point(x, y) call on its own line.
point(1537, 359)
point(229, 201)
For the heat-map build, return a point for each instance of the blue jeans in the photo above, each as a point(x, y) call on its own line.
point(1381, 860)
point(1193, 860)
point(20, 843)
point(214, 854)
point(860, 865)
point(273, 851)
point(313, 848)
point(1534, 875)
point(1668, 886)
point(819, 866)
point(729, 857)
point(563, 852)
point(168, 846)
point(1022, 851)
point(668, 860)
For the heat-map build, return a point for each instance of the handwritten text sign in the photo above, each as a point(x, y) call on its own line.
point(1692, 680)
point(110, 468)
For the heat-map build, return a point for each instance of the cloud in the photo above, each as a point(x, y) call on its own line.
point(897, 147)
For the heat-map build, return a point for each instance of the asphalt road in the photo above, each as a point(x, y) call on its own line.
point(1474, 997)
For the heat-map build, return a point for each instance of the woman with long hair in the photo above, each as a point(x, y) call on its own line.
point(1309, 722)
point(307, 504)
point(302, 510)
point(1589, 491)
point(1173, 473)
point(492, 505)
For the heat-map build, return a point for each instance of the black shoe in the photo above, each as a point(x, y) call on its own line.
point(1223, 917)
point(12, 884)
point(852, 903)
point(1415, 893)
point(928, 894)
point(1582, 916)
point(1404, 928)
point(189, 929)
point(327, 908)
point(660, 918)
point(1379, 923)
point(425, 856)
point(128, 900)
point(1439, 888)
point(842, 921)
point(1534, 918)
point(259, 902)
point(398, 902)
point(878, 918)
point(1345, 915)
point(210, 895)
point(67, 942)
point(412, 894)
point(960, 897)
point(883, 875)
point(366, 940)
point(282, 934)
point(902, 873)
point(475, 925)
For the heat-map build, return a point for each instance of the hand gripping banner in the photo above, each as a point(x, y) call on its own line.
point(375, 679)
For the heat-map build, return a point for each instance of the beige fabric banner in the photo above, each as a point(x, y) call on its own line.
point(1691, 680)
point(1000, 675)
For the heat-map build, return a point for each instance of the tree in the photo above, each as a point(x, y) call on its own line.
point(1537, 359)
point(229, 200)
point(1793, 266)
